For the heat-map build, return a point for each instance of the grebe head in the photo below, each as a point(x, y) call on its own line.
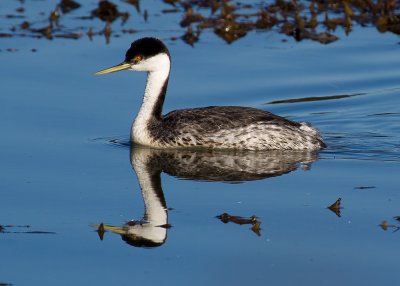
point(146, 54)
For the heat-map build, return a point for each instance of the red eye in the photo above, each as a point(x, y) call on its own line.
point(137, 59)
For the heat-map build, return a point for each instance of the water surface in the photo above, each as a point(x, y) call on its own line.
point(66, 165)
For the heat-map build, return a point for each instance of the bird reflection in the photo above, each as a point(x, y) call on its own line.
point(199, 165)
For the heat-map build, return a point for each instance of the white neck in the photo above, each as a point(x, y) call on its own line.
point(158, 69)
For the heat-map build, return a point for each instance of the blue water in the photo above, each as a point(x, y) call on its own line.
point(66, 166)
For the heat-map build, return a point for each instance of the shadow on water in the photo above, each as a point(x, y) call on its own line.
point(229, 20)
point(197, 165)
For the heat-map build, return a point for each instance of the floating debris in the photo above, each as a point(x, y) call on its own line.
point(108, 12)
point(256, 228)
point(129, 31)
point(191, 17)
point(12, 50)
point(73, 36)
point(336, 207)
point(171, 2)
point(323, 37)
point(168, 11)
point(364, 187)
point(314, 98)
point(14, 16)
point(37, 232)
point(9, 229)
point(385, 225)
point(191, 37)
point(67, 6)
point(25, 25)
point(20, 10)
point(230, 31)
point(107, 32)
point(5, 35)
point(55, 16)
point(46, 32)
point(90, 33)
point(225, 218)
point(265, 20)
point(100, 231)
point(135, 3)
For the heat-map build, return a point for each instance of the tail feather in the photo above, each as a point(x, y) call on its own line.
point(314, 132)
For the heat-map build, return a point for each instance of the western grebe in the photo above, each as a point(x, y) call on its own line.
point(221, 127)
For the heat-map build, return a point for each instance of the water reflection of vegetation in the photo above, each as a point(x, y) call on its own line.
point(207, 165)
point(229, 20)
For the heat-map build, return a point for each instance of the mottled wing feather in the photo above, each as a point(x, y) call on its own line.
point(214, 118)
point(232, 127)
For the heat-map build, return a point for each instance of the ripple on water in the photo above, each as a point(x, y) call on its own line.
point(122, 141)
point(362, 146)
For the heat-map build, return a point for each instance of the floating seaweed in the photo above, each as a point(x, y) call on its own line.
point(108, 11)
point(231, 20)
point(107, 32)
point(134, 3)
point(191, 37)
point(46, 32)
point(54, 16)
point(67, 6)
point(190, 17)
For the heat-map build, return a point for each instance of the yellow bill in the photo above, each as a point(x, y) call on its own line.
point(116, 68)
point(115, 229)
